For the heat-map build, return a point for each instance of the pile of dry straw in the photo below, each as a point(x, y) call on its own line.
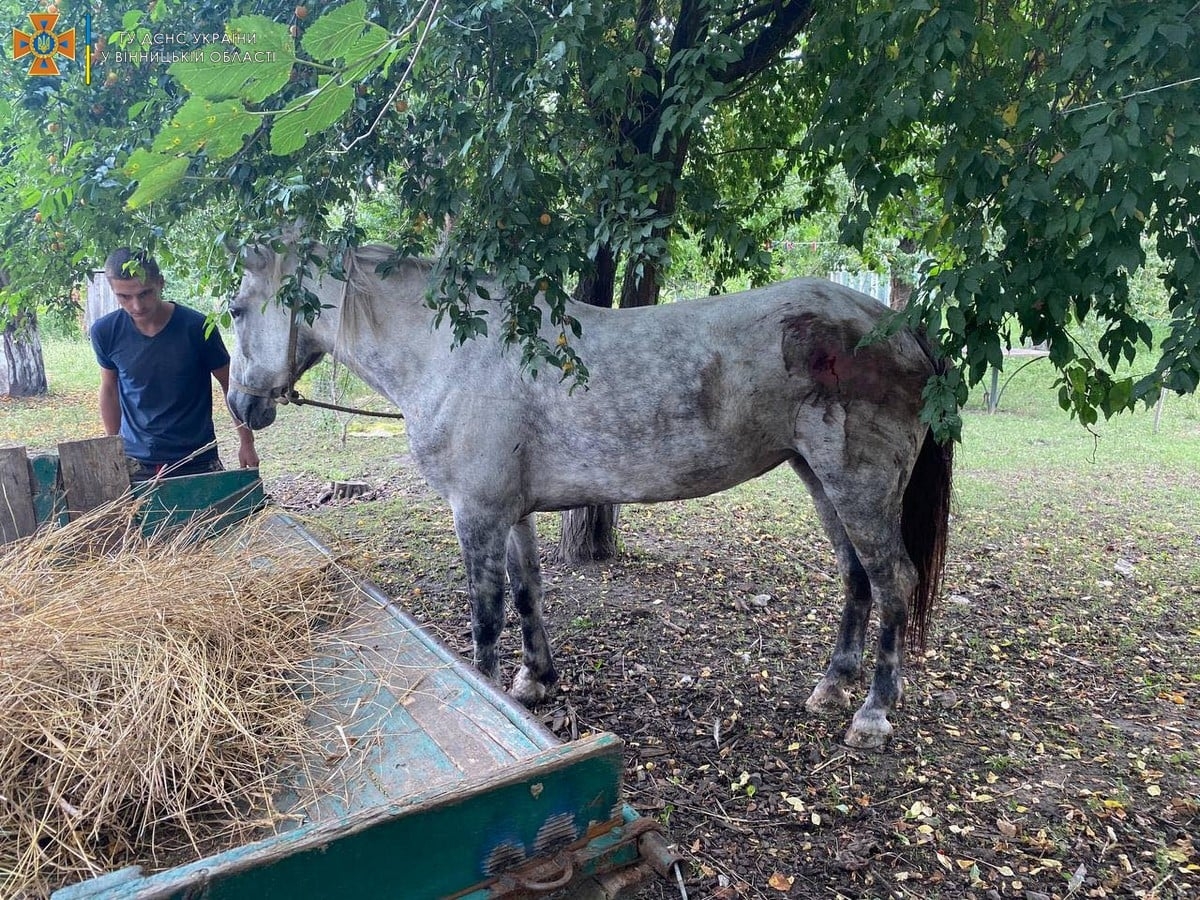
point(151, 695)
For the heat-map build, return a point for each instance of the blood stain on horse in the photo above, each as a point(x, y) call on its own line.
point(822, 364)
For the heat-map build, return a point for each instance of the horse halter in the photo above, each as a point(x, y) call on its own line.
point(286, 393)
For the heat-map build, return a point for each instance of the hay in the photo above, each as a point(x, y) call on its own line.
point(151, 697)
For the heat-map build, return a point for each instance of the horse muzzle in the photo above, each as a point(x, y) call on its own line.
point(253, 407)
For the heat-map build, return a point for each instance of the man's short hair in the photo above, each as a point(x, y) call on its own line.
point(125, 263)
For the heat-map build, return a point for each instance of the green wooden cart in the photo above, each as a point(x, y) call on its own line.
point(439, 786)
point(57, 486)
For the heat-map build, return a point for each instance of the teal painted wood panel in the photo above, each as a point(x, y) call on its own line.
point(48, 501)
point(435, 845)
point(219, 499)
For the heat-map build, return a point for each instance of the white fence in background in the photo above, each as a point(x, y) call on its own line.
point(871, 283)
point(100, 299)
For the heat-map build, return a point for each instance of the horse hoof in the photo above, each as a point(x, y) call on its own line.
point(868, 732)
point(828, 695)
point(526, 689)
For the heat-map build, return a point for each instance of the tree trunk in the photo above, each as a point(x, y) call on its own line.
point(901, 292)
point(587, 531)
point(588, 534)
point(22, 369)
point(901, 281)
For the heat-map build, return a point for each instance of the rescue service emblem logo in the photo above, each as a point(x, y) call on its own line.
point(43, 44)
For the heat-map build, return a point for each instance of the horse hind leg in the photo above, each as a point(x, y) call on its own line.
point(875, 532)
point(845, 664)
point(868, 510)
point(537, 673)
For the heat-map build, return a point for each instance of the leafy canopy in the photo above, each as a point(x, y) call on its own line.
point(1028, 154)
point(1058, 141)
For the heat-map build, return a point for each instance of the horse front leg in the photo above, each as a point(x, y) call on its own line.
point(537, 673)
point(482, 543)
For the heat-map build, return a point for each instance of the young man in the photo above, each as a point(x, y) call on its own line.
point(155, 365)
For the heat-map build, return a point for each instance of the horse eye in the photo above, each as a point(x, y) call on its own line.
point(235, 312)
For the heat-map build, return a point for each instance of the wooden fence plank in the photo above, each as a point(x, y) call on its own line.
point(100, 299)
point(48, 502)
point(17, 518)
point(94, 472)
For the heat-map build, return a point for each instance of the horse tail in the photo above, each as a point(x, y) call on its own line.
point(925, 525)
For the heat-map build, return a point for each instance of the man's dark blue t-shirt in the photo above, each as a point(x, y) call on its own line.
point(164, 382)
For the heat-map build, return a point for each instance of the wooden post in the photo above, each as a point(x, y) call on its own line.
point(93, 472)
point(17, 519)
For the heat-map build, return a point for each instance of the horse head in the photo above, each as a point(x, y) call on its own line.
point(273, 345)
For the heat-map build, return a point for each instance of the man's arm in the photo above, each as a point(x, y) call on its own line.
point(110, 401)
point(247, 454)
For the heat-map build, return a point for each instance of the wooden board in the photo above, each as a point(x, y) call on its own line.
point(93, 472)
point(100, 299)
point(17, 518)
point(431, 782)
point(49, 505)
point(217, 499)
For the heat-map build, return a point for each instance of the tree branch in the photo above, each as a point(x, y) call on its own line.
point(689, 27)
point(789, 19)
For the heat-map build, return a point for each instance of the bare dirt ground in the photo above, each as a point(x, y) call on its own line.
point(1048, 745)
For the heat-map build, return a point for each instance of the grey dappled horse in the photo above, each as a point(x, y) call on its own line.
point(683, 400)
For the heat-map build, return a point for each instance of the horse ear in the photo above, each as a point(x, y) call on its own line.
point(255, 258)
point(292, 232)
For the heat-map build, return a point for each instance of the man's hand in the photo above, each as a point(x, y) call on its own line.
point(247, 452)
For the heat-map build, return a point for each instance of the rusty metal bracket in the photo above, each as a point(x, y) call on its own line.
point(630, 840)
point(546, 883)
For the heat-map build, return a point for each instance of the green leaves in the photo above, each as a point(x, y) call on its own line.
point(344, 33)
point(255, 64)
point(232, 84)
point(1032, 160)
point(1055, 140)
point(156, 175)
point(310, 114)
point(218, 128)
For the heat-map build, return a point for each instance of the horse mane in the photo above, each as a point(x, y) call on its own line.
point(364, 293)
point(363, 272)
